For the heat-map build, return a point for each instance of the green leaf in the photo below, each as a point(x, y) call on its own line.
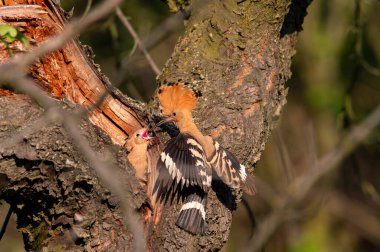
point(8, 31)
point(23, 39)
point(8, 34)
point(9, 38)
point(6, 44)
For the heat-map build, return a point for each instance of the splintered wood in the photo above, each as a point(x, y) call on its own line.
point(68, 73)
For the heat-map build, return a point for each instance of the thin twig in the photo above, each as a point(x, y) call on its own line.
point(310, 143)
point(103, 169)
point(12, 72)
point(284, 156)
point(368, 223)
point(88, 7)
point(5, 222)
point(71, 29)
point(160, 32)
point(303, 184)
point(251, 215)
point(358, 29)
point(137, 40)
point(70, 122)
point(370, 69)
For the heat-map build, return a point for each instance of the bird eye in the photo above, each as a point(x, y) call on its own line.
point(174, 114)
point(137, 135)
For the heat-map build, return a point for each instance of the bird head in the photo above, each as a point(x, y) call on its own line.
point(139, 137)
point(176, 101)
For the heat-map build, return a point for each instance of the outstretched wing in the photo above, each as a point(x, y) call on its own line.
point(230, 171)
point(182, 164)
point(192, 216)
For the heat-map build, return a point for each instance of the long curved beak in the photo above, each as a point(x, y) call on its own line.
point(169, 119)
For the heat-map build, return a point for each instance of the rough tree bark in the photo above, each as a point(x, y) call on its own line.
point(237, 53)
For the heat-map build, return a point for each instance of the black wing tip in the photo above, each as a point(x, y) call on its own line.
point(191, 220)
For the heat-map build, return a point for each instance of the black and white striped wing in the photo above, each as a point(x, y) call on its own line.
point(192, 216)
point(182, 163)
point(230, 171)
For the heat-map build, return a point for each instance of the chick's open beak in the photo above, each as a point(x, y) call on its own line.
point(145, 134)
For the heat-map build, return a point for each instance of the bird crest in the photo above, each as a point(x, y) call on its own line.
point(176, 97)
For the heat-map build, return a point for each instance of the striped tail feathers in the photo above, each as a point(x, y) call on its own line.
point(230, 171)
point(192, 216)
point(184, 172)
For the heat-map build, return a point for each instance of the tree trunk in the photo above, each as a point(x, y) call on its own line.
point(237, 53)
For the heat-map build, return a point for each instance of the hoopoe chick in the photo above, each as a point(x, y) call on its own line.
point(188, 159)
point(137, 146)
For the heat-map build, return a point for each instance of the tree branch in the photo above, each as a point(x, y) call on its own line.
point(137, 40)
point(233, 52)
point(302, 185)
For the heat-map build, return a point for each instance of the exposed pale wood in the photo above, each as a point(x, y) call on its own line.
point(68, 74)
point(237, 53)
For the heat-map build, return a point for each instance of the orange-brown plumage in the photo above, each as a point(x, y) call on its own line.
point(190, 158)
point(176, 97)
point(144, 161)
point(177, 102)
point(137, 147)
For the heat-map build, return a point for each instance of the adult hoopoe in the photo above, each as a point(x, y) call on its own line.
point(188, 159)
